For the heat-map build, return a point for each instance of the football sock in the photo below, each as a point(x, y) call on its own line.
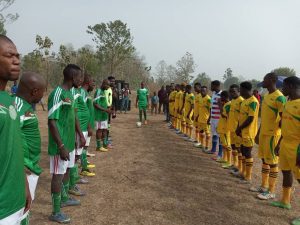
point(273, 179)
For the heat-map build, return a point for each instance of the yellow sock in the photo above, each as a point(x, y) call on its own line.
point(243, 166)
point(235, 158)
point(225, 154)
point(201, 137)
point(265, 171)
point(273, 178)
point(207, 139)
point(286, 195)
point(229, 156)
point(197, 135)
point(240, 165)
point(190, 131)
point(249, 167)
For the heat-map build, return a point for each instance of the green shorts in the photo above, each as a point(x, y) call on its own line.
point(142, 107)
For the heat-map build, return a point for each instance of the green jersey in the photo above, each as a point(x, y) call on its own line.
point(12, 175)
point(81, 96)
point(100, 99)
point(61, 108)
point(142, 95)
point(31, 137)
point(90, 106)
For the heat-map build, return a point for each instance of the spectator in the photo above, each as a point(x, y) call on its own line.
point(125, 98)
point(14, 88)
point(257, 95)
point(154, 103)
point(162, 95)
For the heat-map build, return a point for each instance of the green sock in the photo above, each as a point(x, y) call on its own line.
point(98, 141)
point(56, 199)
point(84, 160)
point(145, 114)
point(64, 192)
point(141, 115)
point(74, 177)
point(25, 221)
point(105, 142)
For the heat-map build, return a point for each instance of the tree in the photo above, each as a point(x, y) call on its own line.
point(9, 18)
point(229, 81)
point(285, 71)
point(254, 83)
point(171, 74)
point(203, 79)
point(228, 74)
point(114, 42)
point(161, 73)
point(185, 67)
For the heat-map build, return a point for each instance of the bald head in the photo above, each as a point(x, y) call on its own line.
point(31, 87)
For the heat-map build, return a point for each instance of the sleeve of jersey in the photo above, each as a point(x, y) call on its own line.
point(281, 100)
point(54, 105)
point(252, 108)
point(226, 111)
point(208, 103)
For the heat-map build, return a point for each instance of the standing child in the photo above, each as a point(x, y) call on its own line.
point(154, 103)
point(102, 112)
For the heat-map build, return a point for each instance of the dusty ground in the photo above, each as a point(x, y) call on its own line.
point(154, 177)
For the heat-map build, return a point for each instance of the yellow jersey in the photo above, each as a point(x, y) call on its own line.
point(176, 103)
point(290, 124)
point(196, 105)
point(222, 124)
point(272, 105)
point(181, 102)
point(249, 107)
point(172, 99)
point(189, 101)
point(233, 119)
point(204, 109)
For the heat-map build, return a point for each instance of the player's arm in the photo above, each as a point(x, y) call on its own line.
point(209, 110)
point(137, 99)
point(101, 108)
point(247, 122)
point(183, 102)
point(277, 148)
point(28, 195)
point(79, 132)
point(64, 154)
point(257, 136)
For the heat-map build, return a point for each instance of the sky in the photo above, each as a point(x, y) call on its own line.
point(250, 36)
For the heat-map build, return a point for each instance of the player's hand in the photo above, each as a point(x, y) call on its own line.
point(276, 150)
point(256, 139)
point(208, 122)
point(109, 111)
point(298, 160)
point(28, 197)
point(64, 154)
point(238, 132)
point(82, 141)
point(90, 131)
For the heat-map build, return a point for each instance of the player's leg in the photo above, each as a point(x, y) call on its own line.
point(248, 160)
point(98, 135)
point(287, 184)
point(145, 115)
point(57, 168)
point(215, 137)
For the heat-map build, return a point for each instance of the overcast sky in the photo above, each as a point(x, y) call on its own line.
point(250, 36)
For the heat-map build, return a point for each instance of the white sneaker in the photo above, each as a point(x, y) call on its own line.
point(191, 140)
point(266, 196)
point(259, 189)
point(198, 145)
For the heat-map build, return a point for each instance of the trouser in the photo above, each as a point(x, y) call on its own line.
point(154, 108)
point(125, 102)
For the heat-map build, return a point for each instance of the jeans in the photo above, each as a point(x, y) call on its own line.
point(125, 102)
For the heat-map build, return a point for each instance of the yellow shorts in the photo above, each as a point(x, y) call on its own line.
point(288, 155)
point(204, 128)
point(266, 148)
point(235, 140)
point(225, 140)
point(175, 114)
point(248, 142)
point(196, 124)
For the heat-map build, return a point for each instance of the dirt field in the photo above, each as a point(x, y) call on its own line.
point(154, 177)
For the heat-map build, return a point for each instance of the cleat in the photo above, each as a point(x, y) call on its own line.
point(91, 166)
point(190, 140)
point(59, 218)
point(296, 221)
point(209, 152)
point(109, 146)
point(266, 196)
point(281, 205)
point(258, 189)
point(244, 181)
point(102, 149)
point(83, 181)
point(87, 173)
point(90, 154)
point(178, 132)
point(234, 170)
point(221, 160)
point(70, 202)
point(76, 191)
point(197, 145)
point(226, 166)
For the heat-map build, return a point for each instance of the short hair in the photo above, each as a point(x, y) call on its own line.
point(197, 84)
point(188, 86)
point(246, 85)
point(70, 70)
point(292, 81)
point(87, 78)
point(5, 38)
point(273, 76)
point(216, 83)
point(234, 86)
point(225, 94)
point(111, 78)
point(204, 86)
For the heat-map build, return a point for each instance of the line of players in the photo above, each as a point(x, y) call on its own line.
point(231, 118)
point(72, 117)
